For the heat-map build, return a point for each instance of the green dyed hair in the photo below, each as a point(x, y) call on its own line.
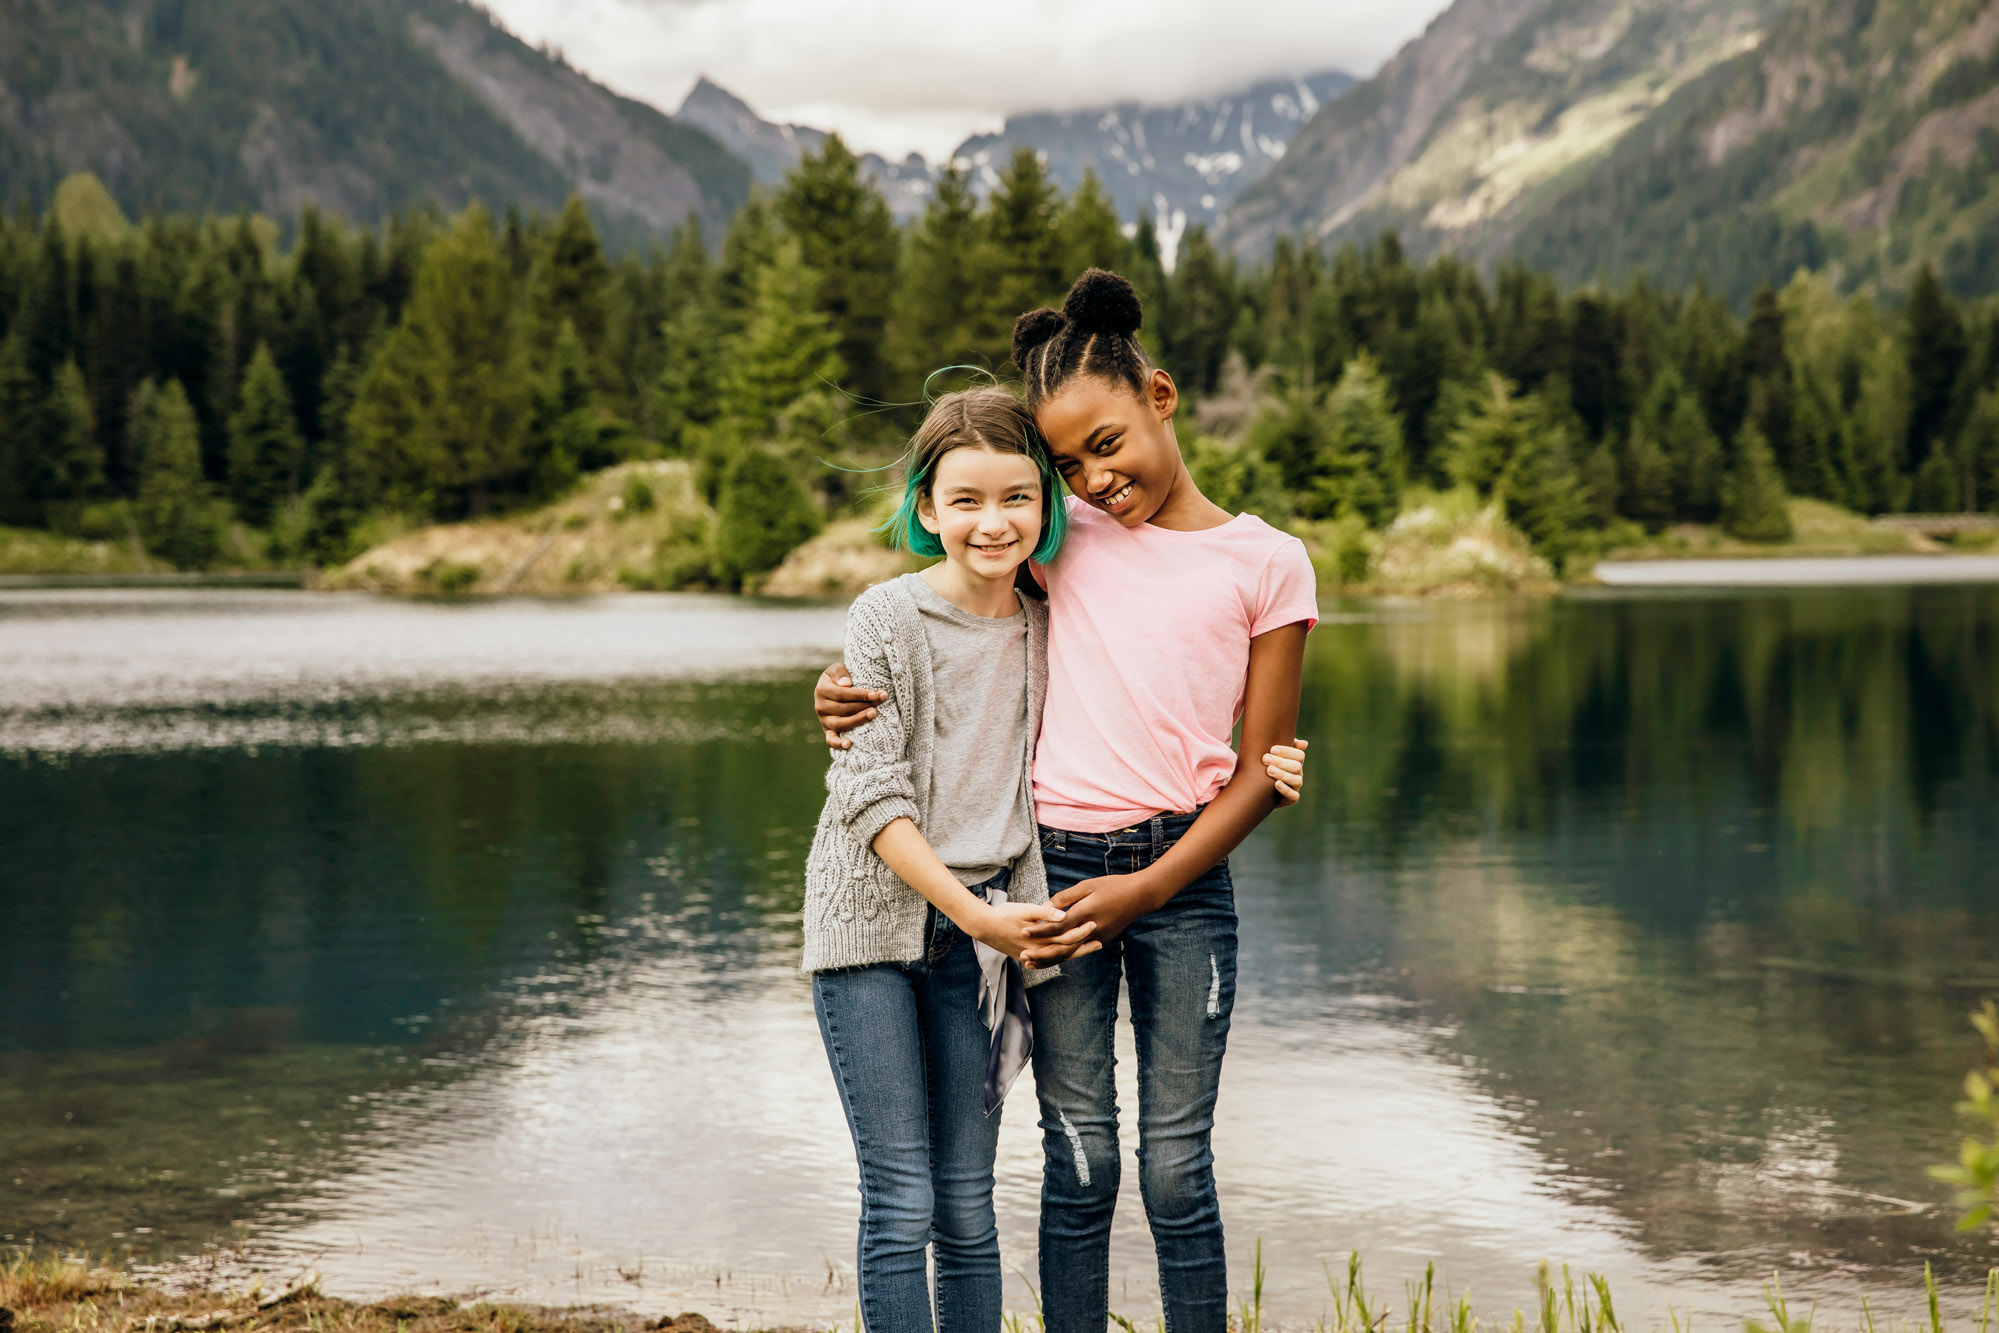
point(976, 419)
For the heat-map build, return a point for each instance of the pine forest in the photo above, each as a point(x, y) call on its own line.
point(230, 393)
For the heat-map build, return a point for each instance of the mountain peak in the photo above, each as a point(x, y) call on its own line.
point(707, 96)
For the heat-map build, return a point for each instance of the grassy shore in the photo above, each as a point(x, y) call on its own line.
point(643, 526)
point(59, 1294)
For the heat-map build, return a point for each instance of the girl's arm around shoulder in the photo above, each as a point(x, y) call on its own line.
point(872, 782)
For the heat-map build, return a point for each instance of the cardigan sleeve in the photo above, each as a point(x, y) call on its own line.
point(873, 783)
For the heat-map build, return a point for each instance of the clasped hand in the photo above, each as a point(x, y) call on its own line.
point(1092, 912)
point(1021, 931)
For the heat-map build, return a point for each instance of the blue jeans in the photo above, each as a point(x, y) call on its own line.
point(1180, 965)
point(908, 1050)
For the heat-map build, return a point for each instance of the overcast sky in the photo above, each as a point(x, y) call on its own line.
point(897, 75)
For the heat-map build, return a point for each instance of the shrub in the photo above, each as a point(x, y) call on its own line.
point(764, 512)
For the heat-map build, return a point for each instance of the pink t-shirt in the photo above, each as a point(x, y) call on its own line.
point(1148, 656)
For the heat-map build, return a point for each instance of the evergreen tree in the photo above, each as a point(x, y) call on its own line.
point(846, 236)
point(763, 514)
point(1365, 439)
point(1293, 436)
point(1595, 372)
point(1879, 426)
point(1767, 368)
point(570, 282)
point(747, 249)
point(178, 520)
point(1193, 332)
point(1528, 337)
point(1980, 445)
point(1027, 253)
point(1647, 479)
point(1290, 283)
point(1938, 488)
point(71, 465)
point(1671, 417)
point(1936, 347)
point(937, 320)
point(1708, 349)
point(1491, 435)
point(1602, 487)
point(266, 452)
point(1540, 489)
point(1091, 234)
point(569, 434)
point(22, 408)
point(336, 501)
point(47, 318)
point(776, 384)
point(117, 354)
point(686, 395)
point(1442, 353)
point(442, 413)
point(1818, 445)
point(1753, 503)
point(690, 275)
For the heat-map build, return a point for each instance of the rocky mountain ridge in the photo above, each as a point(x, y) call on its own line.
point(1496, 102)
point(1179, 163)
point(360, 108)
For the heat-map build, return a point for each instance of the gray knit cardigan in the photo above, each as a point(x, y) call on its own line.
point(857, 910)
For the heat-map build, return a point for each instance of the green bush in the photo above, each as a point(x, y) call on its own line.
point(638, 495)
point(764, 512)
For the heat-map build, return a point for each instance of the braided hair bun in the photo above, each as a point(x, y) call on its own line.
point(1095, 334)
point(1033, 329)
point(1102, 302)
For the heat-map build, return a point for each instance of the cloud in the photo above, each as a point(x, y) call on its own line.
point(900, 74)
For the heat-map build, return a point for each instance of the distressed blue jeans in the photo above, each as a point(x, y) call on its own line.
point(908, 1050)
point(1179, 964)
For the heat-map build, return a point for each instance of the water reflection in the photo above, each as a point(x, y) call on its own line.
point(1636, 933)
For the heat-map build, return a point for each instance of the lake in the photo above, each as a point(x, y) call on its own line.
point(454, 945)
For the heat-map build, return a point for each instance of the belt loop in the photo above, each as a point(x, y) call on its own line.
point(1158, 836)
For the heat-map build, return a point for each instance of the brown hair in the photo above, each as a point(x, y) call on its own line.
point(975, 419)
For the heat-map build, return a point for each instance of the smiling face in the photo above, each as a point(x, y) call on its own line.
point(1116, 448)
point(984, 506)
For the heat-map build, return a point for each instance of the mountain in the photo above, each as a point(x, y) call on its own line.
point(1181, 163)
point(772, 150)
point(1725, 141)
point(1494, 105)
point(1862, 137)
point(361, 107)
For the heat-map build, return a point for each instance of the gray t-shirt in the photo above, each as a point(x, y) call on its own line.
point(981, 816)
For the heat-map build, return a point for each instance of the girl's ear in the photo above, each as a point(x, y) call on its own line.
point(926, 514)
point(1165, 395)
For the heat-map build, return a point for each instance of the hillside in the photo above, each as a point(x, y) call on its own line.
point(362, 107)
point(1497, 104)
point(1863, 136)
point(1180, 163)
point(772, 149)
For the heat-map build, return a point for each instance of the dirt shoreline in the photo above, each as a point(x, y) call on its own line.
point(64, 1297)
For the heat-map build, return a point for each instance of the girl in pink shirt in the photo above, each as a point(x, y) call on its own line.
point(1170, 621)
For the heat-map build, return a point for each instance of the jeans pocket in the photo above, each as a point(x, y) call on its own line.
point(1053, 839)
